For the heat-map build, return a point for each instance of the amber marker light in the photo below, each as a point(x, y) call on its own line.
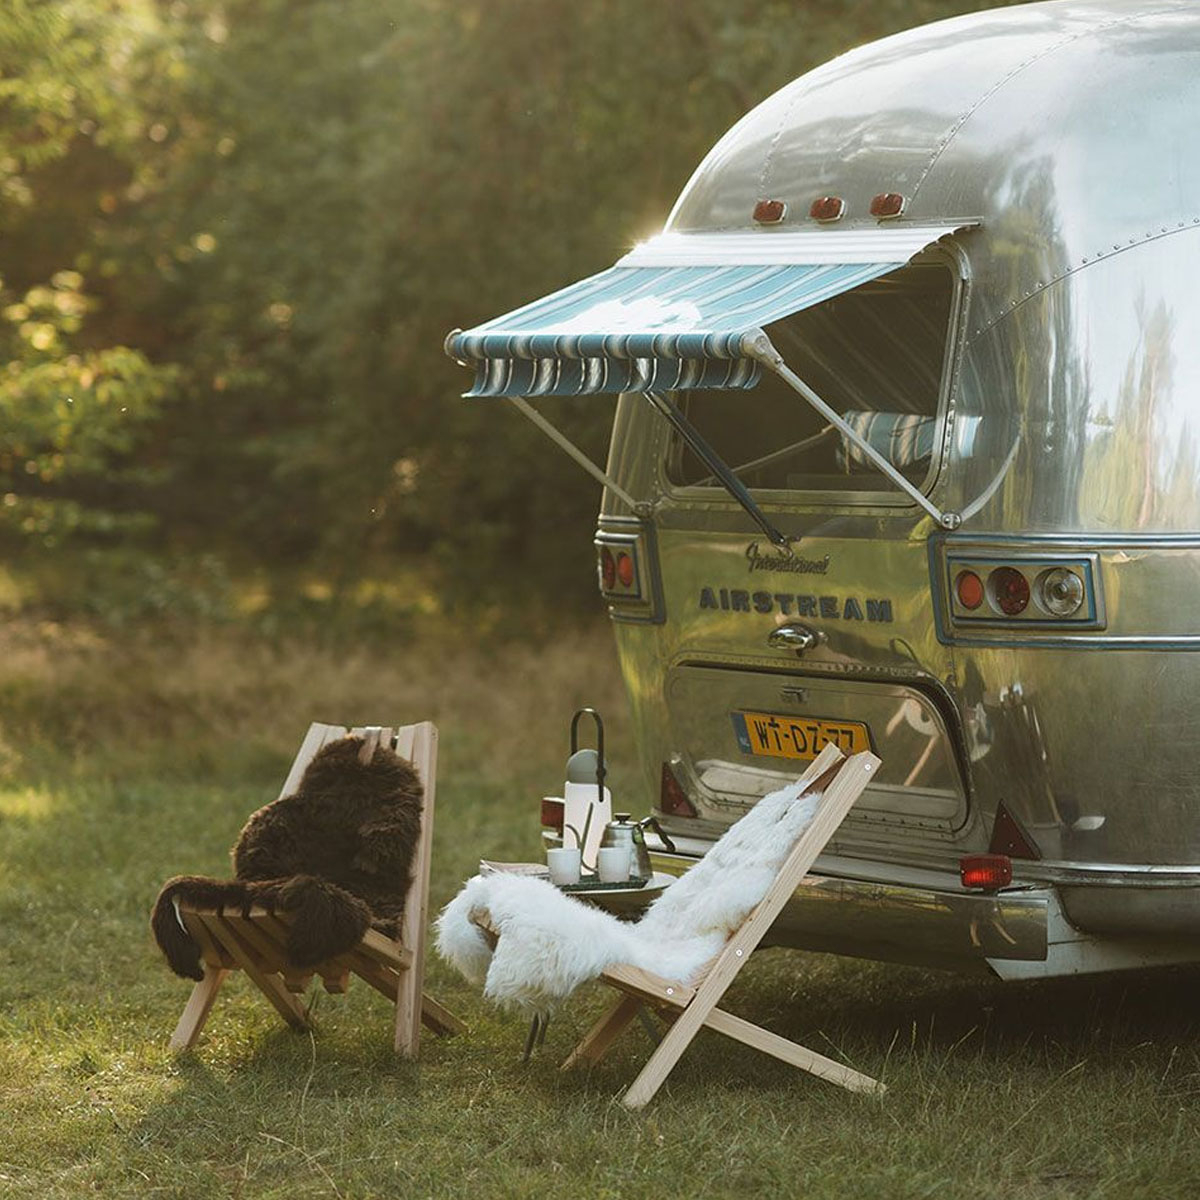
point(827, 208)
point(968, 588)
point(887, 204)
point(608, 569)
point(770, 212)
point(625, 570)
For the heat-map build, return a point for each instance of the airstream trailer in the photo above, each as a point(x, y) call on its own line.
point(907, 455)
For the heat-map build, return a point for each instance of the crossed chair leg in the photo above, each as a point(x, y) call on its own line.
point(253, 946)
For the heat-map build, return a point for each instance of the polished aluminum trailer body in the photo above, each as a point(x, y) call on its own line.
point(1061, 141)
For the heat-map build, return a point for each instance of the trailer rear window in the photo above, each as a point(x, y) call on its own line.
point(876, 356)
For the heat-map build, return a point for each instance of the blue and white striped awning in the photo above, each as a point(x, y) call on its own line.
point(675, 313)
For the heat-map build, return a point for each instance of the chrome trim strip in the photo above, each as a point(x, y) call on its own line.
point(919, 925)
point(942, 547)
point(872, 244)
point(1139, 875)
point(1080, 541)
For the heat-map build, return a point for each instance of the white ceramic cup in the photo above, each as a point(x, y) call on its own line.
point(564, 864)
point(612, 864)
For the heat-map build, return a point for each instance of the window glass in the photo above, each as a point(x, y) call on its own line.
point(875, 355)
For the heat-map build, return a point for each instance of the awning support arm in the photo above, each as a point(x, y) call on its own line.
point(758, 345)
point(561, 440)
point(717, 465)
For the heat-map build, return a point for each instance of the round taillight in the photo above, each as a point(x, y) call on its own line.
point(625, 570)
point(968, 587)
point(608, 569)
point(1009, 591)
point(1059, 592)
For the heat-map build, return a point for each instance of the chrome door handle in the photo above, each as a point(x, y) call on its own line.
point(794, 636)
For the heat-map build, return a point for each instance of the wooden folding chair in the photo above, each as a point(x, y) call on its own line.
point(255, 943)
point(690, 1008)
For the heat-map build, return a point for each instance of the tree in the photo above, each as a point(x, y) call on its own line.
point(72, 411)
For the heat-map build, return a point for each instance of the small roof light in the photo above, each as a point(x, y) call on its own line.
point(827, 208)
point(770, 212)
point(887, 204)
point(988, 872)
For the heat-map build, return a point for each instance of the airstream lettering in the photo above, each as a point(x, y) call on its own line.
point(831, 608)
point(907, 450)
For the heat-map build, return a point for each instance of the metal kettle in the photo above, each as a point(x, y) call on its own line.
point(623, 831)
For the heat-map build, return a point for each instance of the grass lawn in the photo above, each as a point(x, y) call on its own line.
point(121, 764)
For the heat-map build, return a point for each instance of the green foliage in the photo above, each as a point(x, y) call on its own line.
point(64, 74)
point(73, 409)
point(294, 200)
point(70, 416)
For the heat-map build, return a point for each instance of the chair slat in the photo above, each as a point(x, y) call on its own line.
point(648, 986)
point(314, 740)
point(412, 931)
point(691, 1009)
point(256, 943)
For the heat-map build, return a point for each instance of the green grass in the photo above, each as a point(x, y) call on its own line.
point(123, 763)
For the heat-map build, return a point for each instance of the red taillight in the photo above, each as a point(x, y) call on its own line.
point(1030, 590)
point(672, 798)
point(552, 814)
point(887, 204)
point(1009, 590)
point(625, 570)
point(969, 589)
point(770, 212)
point(827, 208)
point(989, 872)
point(608, 569)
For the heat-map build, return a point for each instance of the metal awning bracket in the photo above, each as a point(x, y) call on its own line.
point(757, 345)
point(560, 439)
point(718, 466)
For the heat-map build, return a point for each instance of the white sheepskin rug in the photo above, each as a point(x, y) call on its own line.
point(551, 942)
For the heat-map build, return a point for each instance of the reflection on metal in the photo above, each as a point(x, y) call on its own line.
point(793, 636)
point(760, 347)
point(921, 925)
point(1077, 361)
point(988, 492)
point(713, 461)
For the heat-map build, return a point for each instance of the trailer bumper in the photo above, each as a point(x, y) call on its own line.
point(909, 923)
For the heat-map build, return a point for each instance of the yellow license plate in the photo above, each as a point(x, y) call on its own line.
point(780, 736)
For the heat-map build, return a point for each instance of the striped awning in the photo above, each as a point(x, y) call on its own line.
point(675, 313)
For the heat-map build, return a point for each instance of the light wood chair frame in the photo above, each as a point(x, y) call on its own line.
point(689, 1009)
point(254, 943)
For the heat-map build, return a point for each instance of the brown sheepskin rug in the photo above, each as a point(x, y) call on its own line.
point(337, 855)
